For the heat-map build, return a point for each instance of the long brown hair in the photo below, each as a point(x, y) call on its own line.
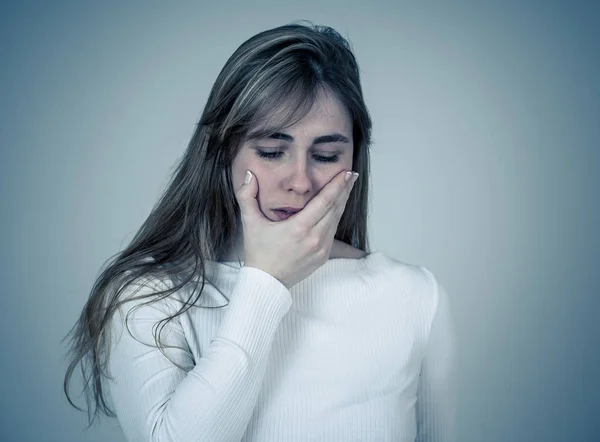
point(196, 218)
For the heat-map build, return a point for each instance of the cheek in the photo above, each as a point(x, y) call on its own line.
point(262, 174)
point(324, 176)
point(346, 163)
point(237, 173)
point(240, 165)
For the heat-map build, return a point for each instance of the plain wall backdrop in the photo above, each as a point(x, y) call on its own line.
point(485, 169)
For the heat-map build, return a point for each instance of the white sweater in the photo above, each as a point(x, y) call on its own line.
point(361, 350)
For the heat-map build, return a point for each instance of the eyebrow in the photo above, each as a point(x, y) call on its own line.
point(332, 138)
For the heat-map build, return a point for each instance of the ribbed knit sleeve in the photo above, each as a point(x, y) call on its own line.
point(210, 399)
point(436, 403)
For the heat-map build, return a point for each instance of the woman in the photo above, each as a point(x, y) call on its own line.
point(248, 306)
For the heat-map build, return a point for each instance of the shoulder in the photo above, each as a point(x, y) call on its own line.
point(152, 292)
point(397, 268)
point(413, 280)
point(420, 286)
point(340, 249)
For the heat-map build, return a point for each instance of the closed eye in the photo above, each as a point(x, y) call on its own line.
point(274, 155)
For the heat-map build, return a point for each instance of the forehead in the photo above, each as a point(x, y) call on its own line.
point(326, 115)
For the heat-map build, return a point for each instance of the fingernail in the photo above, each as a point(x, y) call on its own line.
point(248, 177)
point(354, 176)
point(348, 175)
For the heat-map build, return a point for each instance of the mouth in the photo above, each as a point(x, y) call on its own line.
point(288, 210)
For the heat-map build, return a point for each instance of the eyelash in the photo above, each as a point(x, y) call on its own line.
point(274, 155)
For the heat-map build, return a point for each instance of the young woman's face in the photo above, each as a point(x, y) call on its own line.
point(294, 165)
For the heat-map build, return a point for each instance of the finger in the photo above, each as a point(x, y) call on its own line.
point(332, 195)
point(331, 219)
point(246, 197)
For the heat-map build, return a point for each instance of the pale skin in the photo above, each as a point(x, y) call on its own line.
point(293, 167)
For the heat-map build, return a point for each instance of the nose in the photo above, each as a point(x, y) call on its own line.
point(299, 179)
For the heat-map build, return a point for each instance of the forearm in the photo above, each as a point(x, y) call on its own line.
point(214, 400)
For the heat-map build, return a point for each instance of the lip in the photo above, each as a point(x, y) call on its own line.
point(290, 209)
point(282, 215)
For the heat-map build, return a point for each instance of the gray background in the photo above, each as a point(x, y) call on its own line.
point(486, 128)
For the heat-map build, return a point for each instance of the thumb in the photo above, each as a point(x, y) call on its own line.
point(246, 196)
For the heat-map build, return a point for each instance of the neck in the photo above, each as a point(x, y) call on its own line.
point(339, 249)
